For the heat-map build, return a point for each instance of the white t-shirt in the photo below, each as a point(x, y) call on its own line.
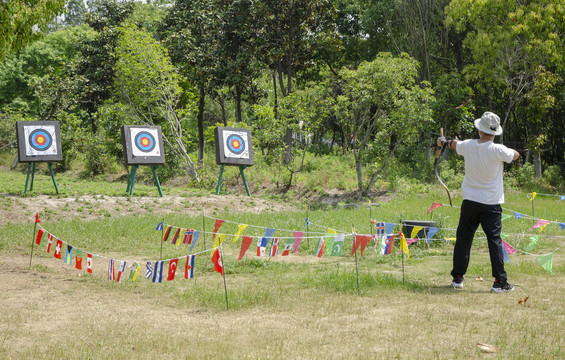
point(483, 170)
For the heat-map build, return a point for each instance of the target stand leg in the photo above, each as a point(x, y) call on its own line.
point(29, 167)
point(52, 177)
point(32, 176)
point(131, 179)
point(153, 169)
point(241, 168)
point(220, 179)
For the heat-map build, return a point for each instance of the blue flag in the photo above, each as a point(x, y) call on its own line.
point(431, 232)
point(389, 227)
point(268, 234)
point(69, 255)
point(194, 238)
point(158, 271)
point(159, 226)
point(149, 272)
point(518, 215)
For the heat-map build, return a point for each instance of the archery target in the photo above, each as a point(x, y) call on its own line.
point(39, 141)
point(143, 145)
point(144, 142)
point(233, 146)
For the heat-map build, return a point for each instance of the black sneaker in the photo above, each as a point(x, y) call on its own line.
point(457, 282)
point(501, 287)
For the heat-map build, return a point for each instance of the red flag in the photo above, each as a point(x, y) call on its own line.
point(217, 261)
point(78, 261)
point(37, 218)
point(58, 249)
point(363, 241)
point(245, 244)
point(172, 269)
point(49, 242)
point(39, 236)
point(217, 226)
point(434, 206)
point(166, 233)
point(89, 263)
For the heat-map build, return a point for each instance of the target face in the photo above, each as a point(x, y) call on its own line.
point(143, 145)
point(233, 146)
point(39, 141)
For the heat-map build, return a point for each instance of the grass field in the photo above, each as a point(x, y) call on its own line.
point(298, 306)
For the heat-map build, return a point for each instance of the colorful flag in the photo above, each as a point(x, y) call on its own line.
point(187, 240)
point(176, 236)
point(297, 238)
point(533, 243)
point(380, 228)
point(149, 271)
point(89, 263)
point(217, 225)
point(167, 233)
point(274, 247)
point(69, 255)
point(561, 226)
point(518, 215)
point(159, 226)
point(58, 248)
point(387, 243)
point(541, 224)
point(49, 242)
point(158, 271)
point(240, 229)
point(505, 216)
point(415, 231)
point(217, 261)
point(245, 244)
point(505, 256)
point(403, 244)
point(121, 270)
point(508, 248)
point(194, 239)
point(262, 245)
point(134, 271)
point(362, 241)
point(338, 245)
point(288, 246)
point(172, 269)
point(111, 275)
point(546, 261)
point(319, 252)
point(330, 238)
point(533, 196)
point(37, 218)
point(389, 227)
point(431, 232)
point(189, 268)
point(433, 207)
point(78, 260)
point(39, 236)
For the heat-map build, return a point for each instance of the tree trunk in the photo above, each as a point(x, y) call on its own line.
point(537, 165)
point(223, 106)
point(276, 106)
point(201, 103)
point(359, 170)
point(238, 104)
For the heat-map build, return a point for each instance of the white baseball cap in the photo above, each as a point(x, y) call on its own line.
point(489, 123)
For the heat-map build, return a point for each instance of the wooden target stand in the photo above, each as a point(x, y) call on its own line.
point(233, 147)
point(143, 145)
point(39, 141)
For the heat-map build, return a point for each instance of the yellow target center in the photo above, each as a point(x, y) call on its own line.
point(40, 140)
point(235, 143)
point(145, 142)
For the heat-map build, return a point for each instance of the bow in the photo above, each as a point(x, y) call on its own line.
point(439, 152)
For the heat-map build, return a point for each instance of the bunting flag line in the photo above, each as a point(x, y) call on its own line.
point(319, 252)
point(541, 224)
point(505, 216)
point(507, 250)
point(69, 255)
point(39, 236)
point(362, 241)
point(380, 228)
point(89, 263)
point(218, 239)
point(288, 247)
point(274, 247)
point(518, 215)
point(431, 232)
point(387, 243)
point(217, 261)
point(297, 238)
point(189, 268)
point(187, 238)
point(172, 269)
point(433, 207)
point(176, 236)
point(166, 233)
point(264, 241)
point(330, 238)
point(561, 226)
point(121, 270)
point(240, 229)
point(415, 231)
point(546, 262)
point(78, 260)
point(338, 245)
point(159, 226)
point(245, 244)
point(134, 271)
point(533, 243)
point(49, 242)
point(58, 248)
point(403, 244)
point(158, 272)
point(217, 225)
point(389, 227)
point(149, 272)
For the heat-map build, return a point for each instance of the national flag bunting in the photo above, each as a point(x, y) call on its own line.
point(58, 249)
point(69, 255)
point(149, 271)
point(167, 233)
point(176, 236)
point(338, 245)
point(111, 275)
point(245, 244)
point(288, 247)
point(158, 271)
point(49, 242)
point(172, 269)
point(121, 271)
point(159, 226)
point(189, 268)
point(387, 243)
point(217, 261)
point(319, 252)
point(89, 263)
point(39, 236)
point(380, 228)
point(403, 244)
point(134, 271)
point(274, 247)
point(78, 260)
point(187, 239)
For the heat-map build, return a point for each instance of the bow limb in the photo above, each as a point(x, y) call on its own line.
point(439, 152)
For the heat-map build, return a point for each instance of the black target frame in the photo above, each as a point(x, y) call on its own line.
point(236, 156)
point(129, 146)
point(24, 142)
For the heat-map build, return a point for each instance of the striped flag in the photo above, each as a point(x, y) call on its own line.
point(189, 268)
point(121, 270)
point(134, 271)
point(39, 236)
point(111, 270)
point(167, 233)
point(187, 239)
point(69, 255)
point(158, 271)
point(149, 271)
point(386, 244)
point(274, 247)
point(320, 248)
point(176, 236)
point(89, 263)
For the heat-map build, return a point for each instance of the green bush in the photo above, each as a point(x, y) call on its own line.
point(553, 176)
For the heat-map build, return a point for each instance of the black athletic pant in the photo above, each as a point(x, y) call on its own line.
point(490, 219)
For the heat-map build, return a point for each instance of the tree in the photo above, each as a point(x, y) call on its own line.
point(382, 107)
point(76, 13)
point(148, 84)
point(23, 21)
